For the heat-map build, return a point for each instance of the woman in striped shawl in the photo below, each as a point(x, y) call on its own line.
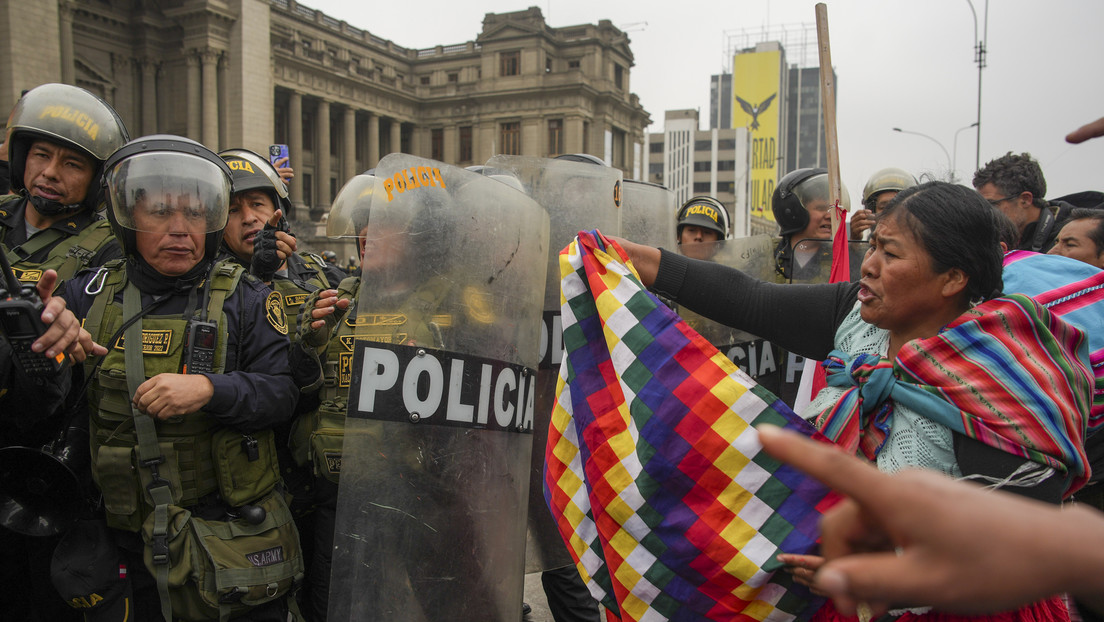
point(928, 366)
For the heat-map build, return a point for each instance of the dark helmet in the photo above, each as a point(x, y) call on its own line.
point(252, 172)
point(788, 202)
point(161, 172)
point(329, 256)
point(706, 212)
point(73, 118)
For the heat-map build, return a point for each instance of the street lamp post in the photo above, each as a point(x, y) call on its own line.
point(979, 58)
point(954, 160)
point(950, 163)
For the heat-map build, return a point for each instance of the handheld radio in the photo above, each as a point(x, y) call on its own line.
point(199, 347)
point(21, 321)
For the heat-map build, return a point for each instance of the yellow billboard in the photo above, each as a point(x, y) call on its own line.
point(756, 89)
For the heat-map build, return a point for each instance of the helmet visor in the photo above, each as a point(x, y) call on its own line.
point(349, 214)
point(816, 188)
point(165, 192)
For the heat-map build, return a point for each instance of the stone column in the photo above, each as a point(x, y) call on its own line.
point(149, 96)
point(373, 141)
point(65, 21)
point(396, 136)
point(295, 146)
point(348, 160)
point(321, 162)
point(209, 61)
point(195, 118)
point(223, 103)
point(451, 144)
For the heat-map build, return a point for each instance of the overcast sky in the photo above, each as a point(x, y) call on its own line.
point(899, 63)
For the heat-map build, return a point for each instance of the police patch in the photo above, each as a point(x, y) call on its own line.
point(27, 276)
point(294, 300)
point(274, 312)
point(333, 462)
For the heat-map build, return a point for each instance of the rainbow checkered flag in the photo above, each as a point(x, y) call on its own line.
point(653, 469)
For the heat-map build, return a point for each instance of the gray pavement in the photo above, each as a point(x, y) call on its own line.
point(534, 595)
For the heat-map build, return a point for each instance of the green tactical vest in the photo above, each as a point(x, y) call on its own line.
point(318, 436)
point(294, 296)
point(69, 255)
point(201, 456)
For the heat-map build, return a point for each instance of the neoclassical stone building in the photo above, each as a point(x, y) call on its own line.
point(248, 73)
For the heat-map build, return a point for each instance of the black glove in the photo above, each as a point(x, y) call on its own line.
point(266, 261)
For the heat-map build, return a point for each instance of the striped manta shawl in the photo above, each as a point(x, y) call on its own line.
point(1072, 290)
point(653, 469)
point(1007, 373)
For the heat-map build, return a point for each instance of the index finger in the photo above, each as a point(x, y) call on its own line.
point(828, 463)
point(1087, 131)
point(274, 220)
point(45, 285)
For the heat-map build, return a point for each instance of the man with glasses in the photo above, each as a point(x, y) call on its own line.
point(1014, 184)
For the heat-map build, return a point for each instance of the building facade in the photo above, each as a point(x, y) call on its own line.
point(249, 73)
point(692, 162)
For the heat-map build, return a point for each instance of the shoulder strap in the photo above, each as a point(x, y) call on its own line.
point(39, 241)
point(224, 280)
point(1043, 228)
point(104, 283)
point(83, 248)
point(149, 453)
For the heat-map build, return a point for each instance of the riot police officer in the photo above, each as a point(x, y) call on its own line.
point(184, 402)
point(389, 258)
point(702, 223)
point(59, 137)
point(258, 238)
point(802, 210)
point(879, 190)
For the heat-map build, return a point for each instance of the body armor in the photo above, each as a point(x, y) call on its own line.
point(200, 456)
point(68, 255)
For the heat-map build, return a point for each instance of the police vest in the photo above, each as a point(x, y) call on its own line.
point(68, 254)
point(203, 460)
point(294, 294)
point(317, 436)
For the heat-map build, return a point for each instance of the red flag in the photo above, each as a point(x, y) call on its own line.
point(841, 262)
point(841, 272)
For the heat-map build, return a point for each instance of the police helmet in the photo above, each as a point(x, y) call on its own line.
point(705, 212)
point(252, 172)
point(886, 179)
point(797, 189)
point(73, 118)
point(349, 212)
point(153, 178)
point(329, 256)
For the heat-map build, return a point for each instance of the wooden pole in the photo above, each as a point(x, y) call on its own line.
point(828, 101)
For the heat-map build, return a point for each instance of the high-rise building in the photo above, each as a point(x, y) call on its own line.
point(249, 73)
point(693, 162)
point(773, 88)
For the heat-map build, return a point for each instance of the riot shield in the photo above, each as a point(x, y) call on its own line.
point(648, 213)
point(812, 260)
point(434, 483)
point(578, 196)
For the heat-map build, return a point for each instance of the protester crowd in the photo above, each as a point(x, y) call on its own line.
point(199, 360)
